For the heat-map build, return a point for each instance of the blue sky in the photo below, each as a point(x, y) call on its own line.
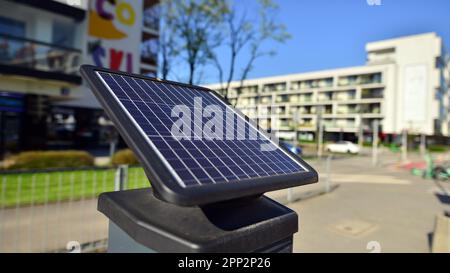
point(333, 33)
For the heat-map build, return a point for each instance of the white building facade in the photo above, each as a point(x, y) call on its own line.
point(404, 85)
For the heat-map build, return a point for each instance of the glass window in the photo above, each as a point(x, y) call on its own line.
point(63, 34)
point(12, 27)
point(149, 49)
point(151, 17)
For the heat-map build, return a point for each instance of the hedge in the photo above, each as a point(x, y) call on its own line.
point(124, 157)
point(38, 160)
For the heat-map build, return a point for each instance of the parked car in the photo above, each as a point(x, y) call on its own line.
point(343, 147)
point(294, 149)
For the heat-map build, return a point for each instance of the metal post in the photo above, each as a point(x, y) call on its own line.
point(360, 133)
point(328, 171)
point(405, 145)
point(376, 125)
point(114, 139)
point(112, 148)
point(290, 195)
point(320, 146)
point(296, 119)
point(423, 145)
point(320, 132)
point(121, 179)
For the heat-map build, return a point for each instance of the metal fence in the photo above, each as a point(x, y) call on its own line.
point(52, 211)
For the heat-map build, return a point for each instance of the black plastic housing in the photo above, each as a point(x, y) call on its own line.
point(256, 224)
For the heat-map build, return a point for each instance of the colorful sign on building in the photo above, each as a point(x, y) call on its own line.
point(114, 34)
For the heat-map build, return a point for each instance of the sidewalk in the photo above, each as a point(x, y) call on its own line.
point(382, 205)
point(295, 194)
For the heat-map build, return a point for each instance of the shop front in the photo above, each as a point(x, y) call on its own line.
point(11, 116)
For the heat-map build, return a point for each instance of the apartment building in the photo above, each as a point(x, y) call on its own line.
point(404, 85)
point(44, 103)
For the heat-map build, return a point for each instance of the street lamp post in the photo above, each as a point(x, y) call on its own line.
point(376, 125)
point(423, 145)
point(404, 145)
point(296, 119)
point(320, 132)
point(360, 132)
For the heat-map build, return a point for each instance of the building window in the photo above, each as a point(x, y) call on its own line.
point(63, 34)
point(372, 93)
point(151, 17)
point(274, 87)
point(360, 79)
point(12, 27)
point(149, 51)
point(307, 84)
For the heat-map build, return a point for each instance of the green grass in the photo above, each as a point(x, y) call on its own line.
point(40, 188)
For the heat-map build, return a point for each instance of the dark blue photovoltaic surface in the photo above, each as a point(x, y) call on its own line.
point(198, 161)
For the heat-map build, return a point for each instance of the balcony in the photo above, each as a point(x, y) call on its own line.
point(327, 110)
point(310, 84)
point(376, 93)
point(347, 111)
point(265, 100)
point(308, 126)
point(275, 87)
point(360, 79)
point(360, 109)
point(325, 97)
point(281, 111)
point(375, 111)
point(246, 90)
point(283, 99)
point(26, 57)
point(284, 124)
point(337, 125)
point(247, 101)
point(75, 10)
point(302, 99)
point(301, 110)
point(374, 108)
point(344, 95)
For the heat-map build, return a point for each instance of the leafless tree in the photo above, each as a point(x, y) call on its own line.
point(167, 47)
point(192, 32)
point(244, 34)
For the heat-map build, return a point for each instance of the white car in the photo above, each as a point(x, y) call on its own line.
point(343, 147)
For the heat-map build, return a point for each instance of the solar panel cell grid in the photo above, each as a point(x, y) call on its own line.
point(194, 159)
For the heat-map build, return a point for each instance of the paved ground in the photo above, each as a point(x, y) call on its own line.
point(52, 227)
point(382, 204)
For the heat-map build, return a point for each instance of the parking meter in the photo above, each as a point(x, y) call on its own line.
point(208, 165)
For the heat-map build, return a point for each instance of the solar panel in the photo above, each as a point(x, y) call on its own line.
point(195, 147)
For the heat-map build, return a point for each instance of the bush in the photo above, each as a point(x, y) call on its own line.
point(124, 157)
point(50, 160)
point(437, 148)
